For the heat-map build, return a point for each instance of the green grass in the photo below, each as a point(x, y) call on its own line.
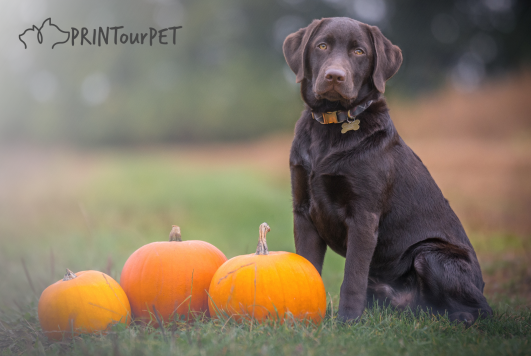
point(128, 200)
point(131, 201)
point(381, 331)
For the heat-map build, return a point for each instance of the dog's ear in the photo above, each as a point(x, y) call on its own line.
point(294, 48)
point(387, 58)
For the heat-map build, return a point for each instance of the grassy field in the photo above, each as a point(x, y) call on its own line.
point(62, 207)
point(380, 332)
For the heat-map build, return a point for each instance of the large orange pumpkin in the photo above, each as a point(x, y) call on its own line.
point(85, 302)
point(173, 276)
point(268, 285)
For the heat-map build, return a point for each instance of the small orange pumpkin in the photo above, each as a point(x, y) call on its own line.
point(173, 276)
point(268, 285)
point(85, 302)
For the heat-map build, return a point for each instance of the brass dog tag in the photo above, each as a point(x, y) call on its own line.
point(347, 126)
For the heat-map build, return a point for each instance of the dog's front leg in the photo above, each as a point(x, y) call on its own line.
point(362, 237)
point(308, 243)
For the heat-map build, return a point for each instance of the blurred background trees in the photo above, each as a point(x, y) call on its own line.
point(225, 79)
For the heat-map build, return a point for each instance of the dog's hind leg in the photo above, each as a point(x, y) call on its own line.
point(449, 280)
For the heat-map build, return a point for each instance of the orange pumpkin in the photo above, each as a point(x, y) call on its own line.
point(173, 276)
point(85, 302)
point(268, 285)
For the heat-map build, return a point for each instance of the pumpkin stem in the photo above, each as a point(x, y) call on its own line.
point(175, 233)
point(261, 249)
point(69, 275)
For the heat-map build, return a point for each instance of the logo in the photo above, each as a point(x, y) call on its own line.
point(97, 36)
point(39, 33)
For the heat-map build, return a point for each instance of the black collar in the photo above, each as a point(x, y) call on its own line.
point(336, 117)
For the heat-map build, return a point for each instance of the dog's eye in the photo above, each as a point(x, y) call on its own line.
point(358, 51)
point(322, 46)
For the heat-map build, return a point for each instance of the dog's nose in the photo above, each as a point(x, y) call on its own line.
point(335, 75)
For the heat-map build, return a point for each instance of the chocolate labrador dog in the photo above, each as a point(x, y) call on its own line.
point(359, 189)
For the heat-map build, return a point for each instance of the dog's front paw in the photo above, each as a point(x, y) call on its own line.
point(348, 316)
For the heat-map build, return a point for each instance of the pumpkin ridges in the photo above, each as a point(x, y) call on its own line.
point(103, 299)
point(168, 270)
point(281, 282)
point(115, 293)
point(307, 301)
point(67, 303)
point(76, 299)
point(115, 296)
point(313, 303)
point(84, 305)
point(264, 265)
point(284, 282)
point(94, 308)
point(144, 288)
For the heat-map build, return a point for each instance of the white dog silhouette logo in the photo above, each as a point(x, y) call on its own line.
point(40, 30)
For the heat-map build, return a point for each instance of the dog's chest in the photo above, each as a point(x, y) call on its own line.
point(331, 194)
point(327, 179)
point(328, 211)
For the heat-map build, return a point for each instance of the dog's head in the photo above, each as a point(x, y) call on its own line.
point(340, 61)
